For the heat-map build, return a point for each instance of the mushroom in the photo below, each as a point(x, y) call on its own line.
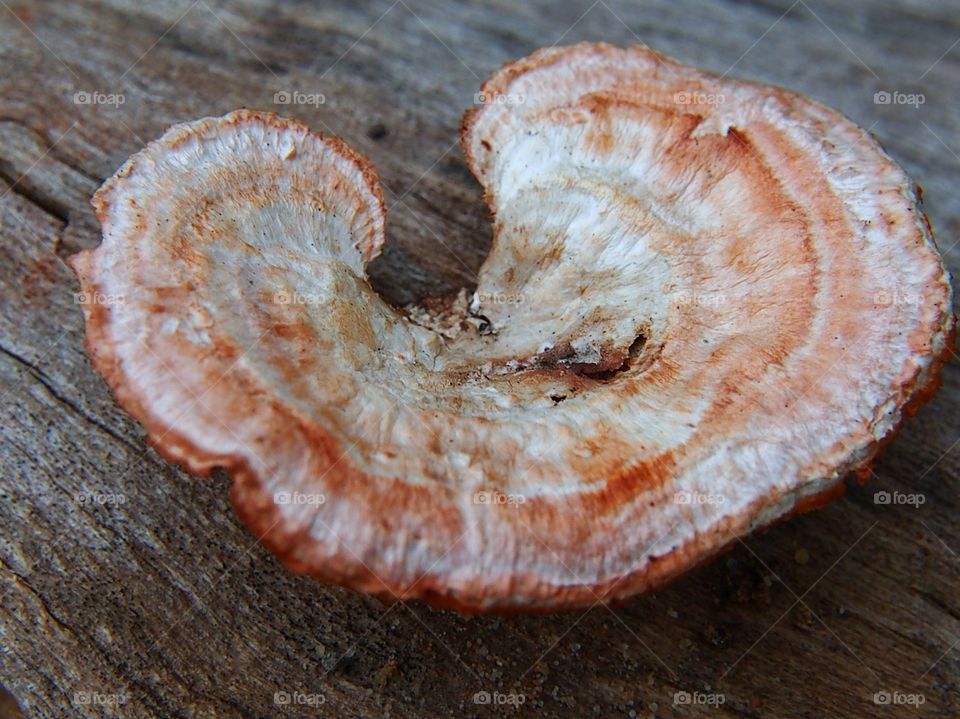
point(707, 301)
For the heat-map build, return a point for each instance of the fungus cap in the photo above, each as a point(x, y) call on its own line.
point(706, 302)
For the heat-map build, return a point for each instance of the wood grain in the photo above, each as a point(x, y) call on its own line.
point(131, 589)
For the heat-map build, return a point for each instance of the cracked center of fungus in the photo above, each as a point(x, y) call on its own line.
point(680, 333)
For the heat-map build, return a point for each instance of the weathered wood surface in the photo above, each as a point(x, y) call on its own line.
point(131, 589)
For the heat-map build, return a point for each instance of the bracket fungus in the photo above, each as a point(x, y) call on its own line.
point(706, 302)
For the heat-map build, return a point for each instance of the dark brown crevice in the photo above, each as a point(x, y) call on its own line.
point(559, 362)
point(602, 372)
point(9, 709)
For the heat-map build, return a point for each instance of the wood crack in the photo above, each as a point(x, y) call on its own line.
point(44, 202)
point(21, 580)
point(47, 383)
